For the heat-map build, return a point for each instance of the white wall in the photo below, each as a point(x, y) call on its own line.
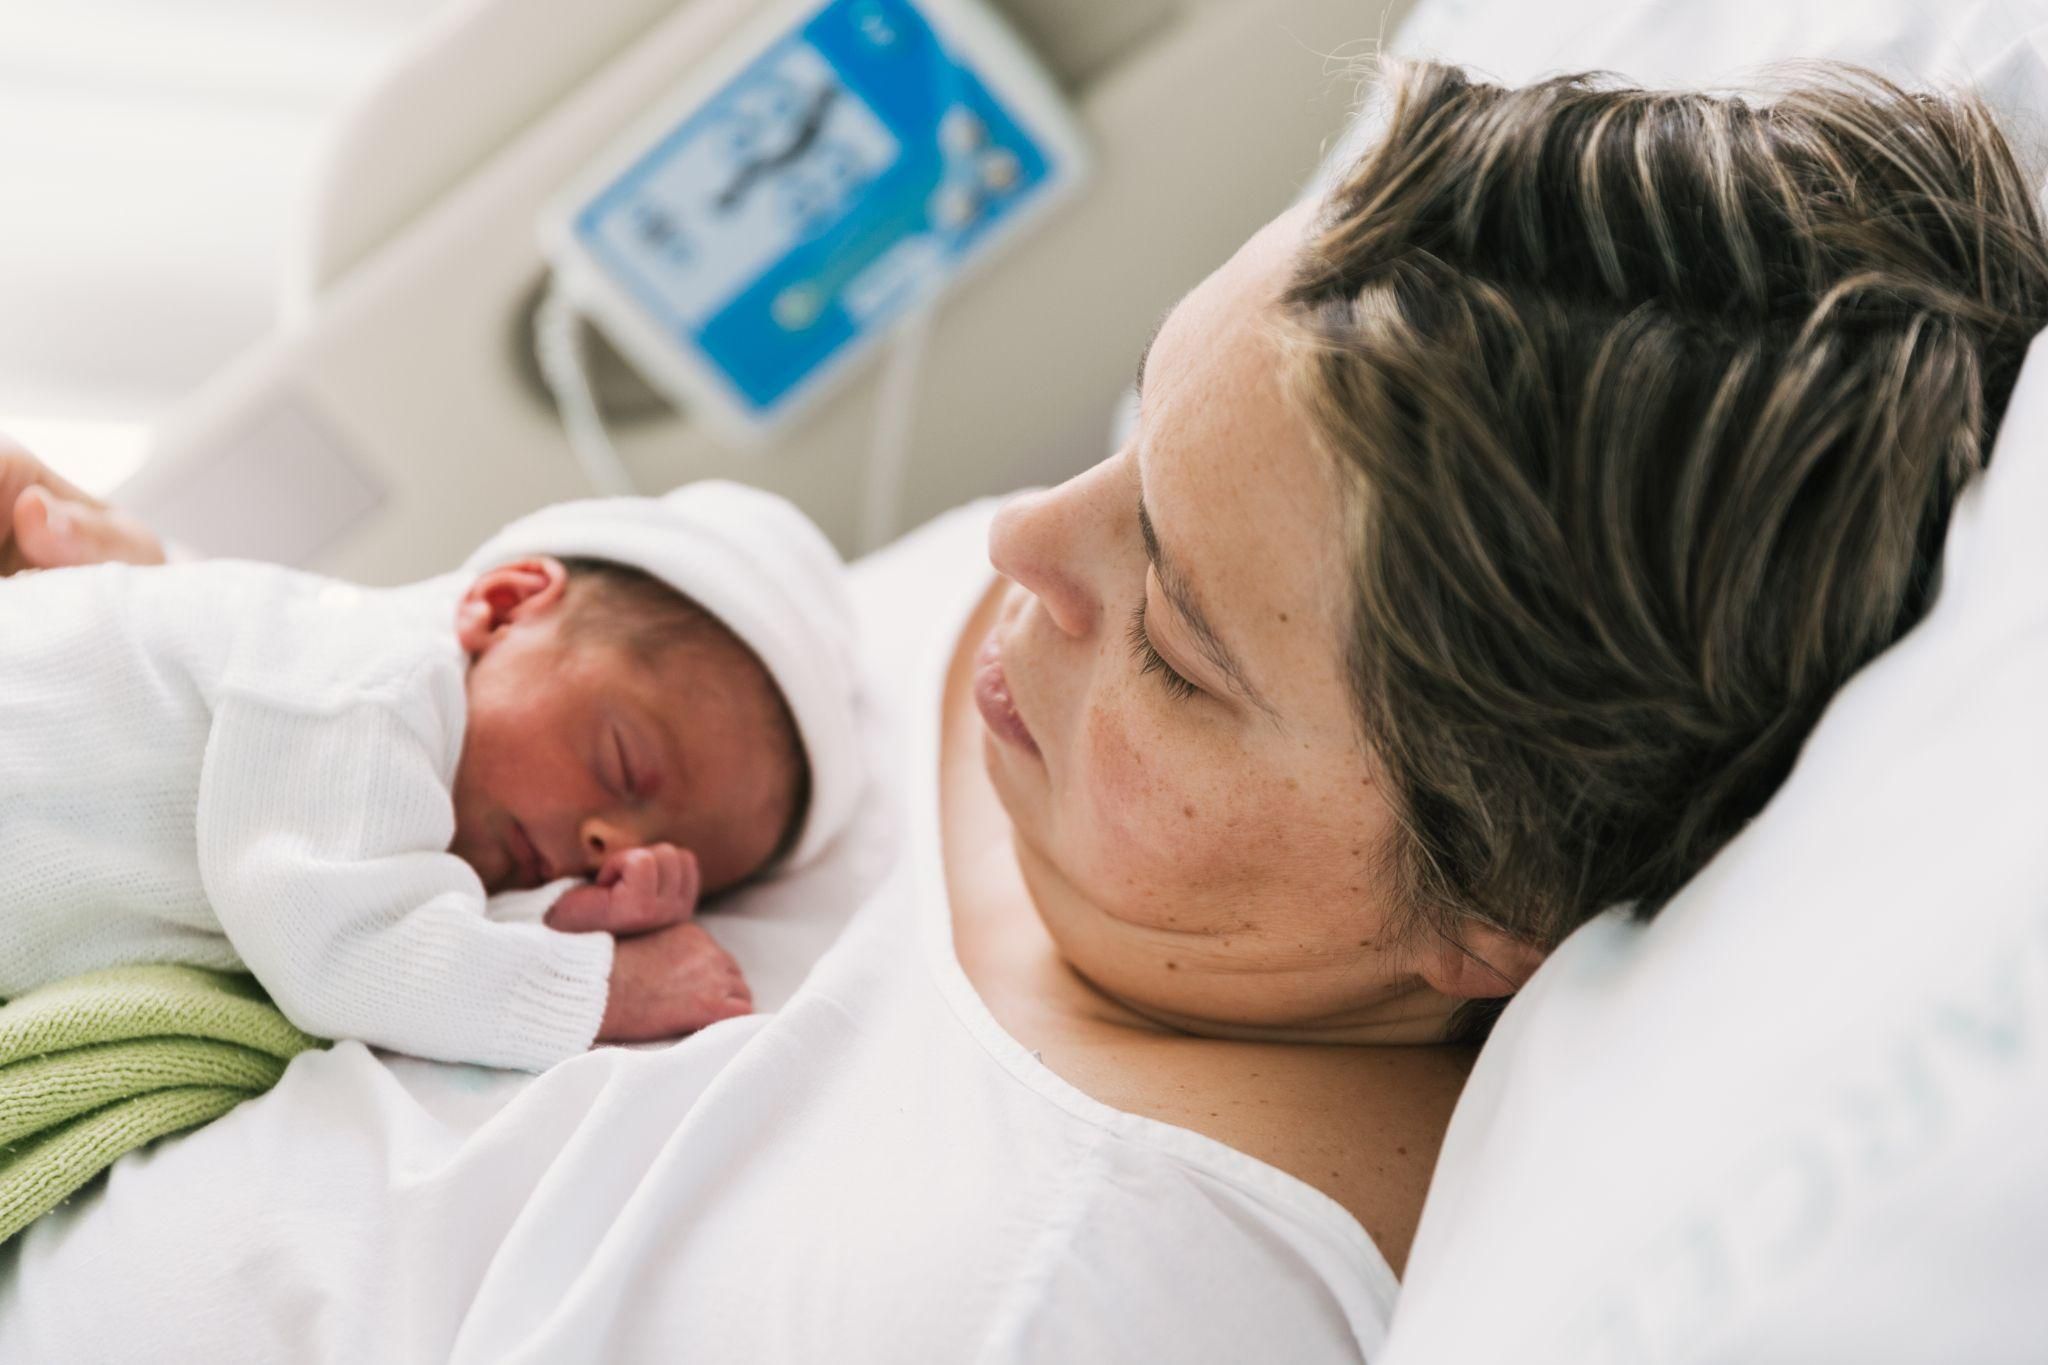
point(153, 155)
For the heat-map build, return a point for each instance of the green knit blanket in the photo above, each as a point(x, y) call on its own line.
point(100, 1064)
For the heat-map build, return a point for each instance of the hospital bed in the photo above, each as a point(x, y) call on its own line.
point(1798, 1117)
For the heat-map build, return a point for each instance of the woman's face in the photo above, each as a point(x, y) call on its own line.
point(1202, 831)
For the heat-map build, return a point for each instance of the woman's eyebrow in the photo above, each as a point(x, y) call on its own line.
point(1181, 595)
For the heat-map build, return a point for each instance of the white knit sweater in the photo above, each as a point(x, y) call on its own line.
point(234, 764)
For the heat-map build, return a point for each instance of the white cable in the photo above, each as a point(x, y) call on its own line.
point(558, 344)
point(895, 415)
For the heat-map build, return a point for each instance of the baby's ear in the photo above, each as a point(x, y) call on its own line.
point(524, 590)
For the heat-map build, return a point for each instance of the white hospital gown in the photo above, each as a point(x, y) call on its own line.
point(873, 1172)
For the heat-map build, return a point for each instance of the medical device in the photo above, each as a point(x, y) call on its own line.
point(397, 416)
point(832, 169)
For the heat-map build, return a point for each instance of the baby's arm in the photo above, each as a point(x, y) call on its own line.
point(322, 843)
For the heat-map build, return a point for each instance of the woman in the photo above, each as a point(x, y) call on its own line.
point(1491, 535)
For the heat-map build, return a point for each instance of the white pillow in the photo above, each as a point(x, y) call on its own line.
point(1684, 43)
point(1803, 1115)
point(1991, 44)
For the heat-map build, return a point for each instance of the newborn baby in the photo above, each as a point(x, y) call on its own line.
point(238, 765)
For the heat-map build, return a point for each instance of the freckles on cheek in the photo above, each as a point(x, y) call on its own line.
point(1173, 829)
point(1144, 818)
point(1117, 769)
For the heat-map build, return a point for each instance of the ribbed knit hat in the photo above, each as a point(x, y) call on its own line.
point(767, 573)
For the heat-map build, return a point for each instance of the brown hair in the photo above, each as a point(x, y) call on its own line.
point(1650, 409)
point(619, 602)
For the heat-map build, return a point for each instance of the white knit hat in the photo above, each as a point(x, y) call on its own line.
point(767, 573)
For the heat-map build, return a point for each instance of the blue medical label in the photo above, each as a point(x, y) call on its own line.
point(846, 173)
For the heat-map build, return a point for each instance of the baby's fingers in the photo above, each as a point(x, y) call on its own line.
point(614, 867)
point(638, 902)
point(680, 882)
point(631, 871)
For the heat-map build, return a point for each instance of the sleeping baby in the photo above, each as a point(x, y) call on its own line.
point(241, 766)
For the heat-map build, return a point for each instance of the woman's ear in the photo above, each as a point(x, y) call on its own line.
point(1480, 963)
point(520, 591)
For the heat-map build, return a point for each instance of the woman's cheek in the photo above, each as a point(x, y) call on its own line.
point(1121, 779)
point(1146, 799)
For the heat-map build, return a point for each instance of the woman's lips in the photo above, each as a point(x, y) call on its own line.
point(992, 695)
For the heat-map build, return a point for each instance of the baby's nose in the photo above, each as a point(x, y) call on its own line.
point(603, 837)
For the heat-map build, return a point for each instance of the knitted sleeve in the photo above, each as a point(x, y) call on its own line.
point(322, 843)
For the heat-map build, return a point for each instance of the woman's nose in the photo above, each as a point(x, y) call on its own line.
point(603, 836)
point(1048, 544)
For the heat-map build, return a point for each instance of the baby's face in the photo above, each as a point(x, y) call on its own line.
point(577, 747)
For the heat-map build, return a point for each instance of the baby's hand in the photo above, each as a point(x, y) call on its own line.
point(671, 982)
point(636, 890)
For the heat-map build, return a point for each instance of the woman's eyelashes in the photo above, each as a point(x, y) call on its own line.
point(1150, 661)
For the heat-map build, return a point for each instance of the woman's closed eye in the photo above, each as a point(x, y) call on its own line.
point(1150, 660)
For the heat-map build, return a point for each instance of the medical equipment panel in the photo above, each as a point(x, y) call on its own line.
point(841, 166)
